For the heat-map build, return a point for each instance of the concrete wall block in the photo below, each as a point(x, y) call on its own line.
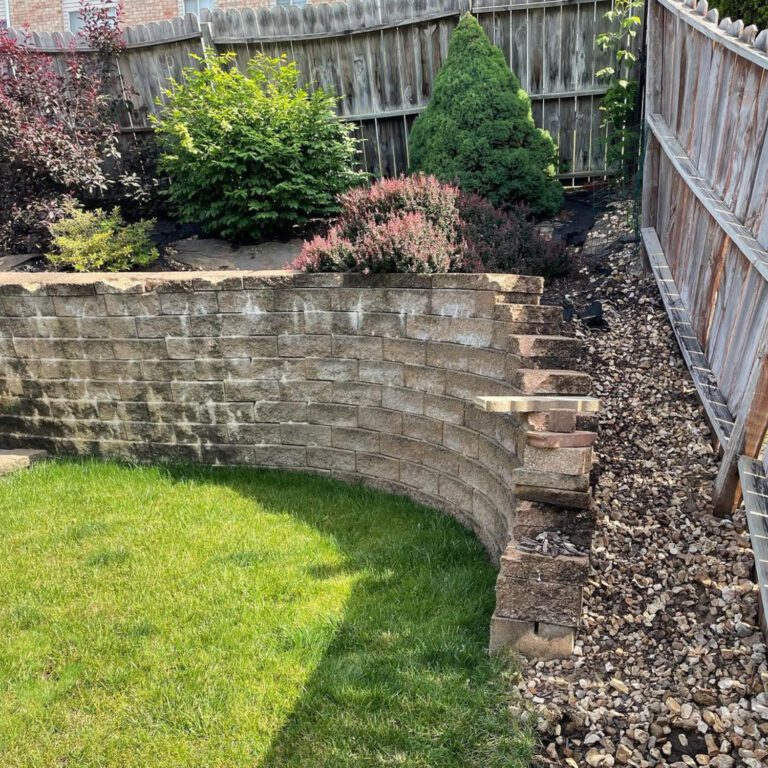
point(565, 461)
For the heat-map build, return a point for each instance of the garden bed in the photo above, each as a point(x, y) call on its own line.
point(180, 616)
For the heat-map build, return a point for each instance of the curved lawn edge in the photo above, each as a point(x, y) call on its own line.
point(376, 633)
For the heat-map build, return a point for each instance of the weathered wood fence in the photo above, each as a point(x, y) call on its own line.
point(381, 58)
point(705, 213)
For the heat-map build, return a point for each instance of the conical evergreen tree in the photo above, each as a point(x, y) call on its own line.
point(478, 129)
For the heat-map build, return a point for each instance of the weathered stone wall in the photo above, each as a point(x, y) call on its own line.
point(366, 378)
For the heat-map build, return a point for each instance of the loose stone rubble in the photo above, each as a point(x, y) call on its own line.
point(551, 543)
point(669, 666)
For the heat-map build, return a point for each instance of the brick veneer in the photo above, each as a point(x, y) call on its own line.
point(366, 378)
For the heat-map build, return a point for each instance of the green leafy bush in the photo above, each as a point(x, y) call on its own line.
point(99, 240)
point(253, 156)
point(478, 129)
point(750, 11)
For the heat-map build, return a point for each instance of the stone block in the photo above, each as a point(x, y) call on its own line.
point(533, 403)
point(248, 390)
point(279, 368)
point(419, 476)
point(136, 305)
point(475, 332)
point(552, 382)
point(556, 420)
point(463, 303)
point(461, 440)
point(248, 346)
point(555, 480)
point(354, 393)
point(517, 564)
point(192, 348)
point(188, 303)
point(361, 347)
point(352, 439)
point(405, 350)
point(550, 602)
point(279, 412)
point(305, 300)
point(247, 302)
point(386, 372)
point(280, 456)
point(423, 428)
point(571, 499)
point(79, 306)
point(331, 369)
point(305, 434)
point(380, 419)
point(400, 447)
point(425, 379)
point(382, 324)
point(552, 440)
point(331, 458)
point(221, 369)
point(298, 390)
point(533, 639)
point(564, 461)
point(304, 345)
point(195, 392)
point(382, 467)
point(489, 282)
point(444, 408)
point(345, 323)
point(334, 414)
point(401, 399)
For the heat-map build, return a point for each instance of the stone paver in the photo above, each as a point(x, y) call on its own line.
point(209, 253)
point(19, 458)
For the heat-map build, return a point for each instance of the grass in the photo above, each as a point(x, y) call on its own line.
point(173, 617)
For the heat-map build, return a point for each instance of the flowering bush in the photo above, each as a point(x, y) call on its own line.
point(419, 224)
point(436, 201)
point(396, 225)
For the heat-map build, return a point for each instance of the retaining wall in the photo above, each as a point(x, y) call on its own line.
point(366, 378)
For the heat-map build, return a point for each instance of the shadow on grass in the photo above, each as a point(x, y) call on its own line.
point(406, 680)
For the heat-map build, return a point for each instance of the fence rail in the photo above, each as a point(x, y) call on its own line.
point(381, 57)
point(705, 213)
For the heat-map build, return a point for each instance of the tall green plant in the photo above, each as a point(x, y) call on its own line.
point(253, 155)
point(478, 129)
point(619, 106)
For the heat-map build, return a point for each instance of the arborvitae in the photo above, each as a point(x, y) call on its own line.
point(478, 129)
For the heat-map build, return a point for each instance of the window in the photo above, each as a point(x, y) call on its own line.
point(72, 19)
point(196, 6)
point(291, 2)
point(5, 13)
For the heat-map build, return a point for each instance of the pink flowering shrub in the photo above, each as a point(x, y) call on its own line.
point(406, 242)
point(418, 224)
point(437, 202)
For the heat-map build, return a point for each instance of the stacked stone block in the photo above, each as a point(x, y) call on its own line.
point(366, 378)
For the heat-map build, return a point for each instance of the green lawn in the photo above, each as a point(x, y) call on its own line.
point(170, 617)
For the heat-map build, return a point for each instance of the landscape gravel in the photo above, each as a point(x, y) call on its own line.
point(669, 666)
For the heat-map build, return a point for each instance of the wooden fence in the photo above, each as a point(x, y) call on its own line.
point(705, 213)
point(381, 58)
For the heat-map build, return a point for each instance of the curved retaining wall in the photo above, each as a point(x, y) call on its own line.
point(366, 378)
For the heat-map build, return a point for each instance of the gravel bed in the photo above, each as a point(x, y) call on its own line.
point(670, 666)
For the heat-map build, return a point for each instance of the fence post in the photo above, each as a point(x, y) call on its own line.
point(748, 433)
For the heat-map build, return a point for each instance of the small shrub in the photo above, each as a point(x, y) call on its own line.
point(253, 156)
point(750, 11)
point(478, 130)
point(505, 240)
point(92, 241)
point(419, 224)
